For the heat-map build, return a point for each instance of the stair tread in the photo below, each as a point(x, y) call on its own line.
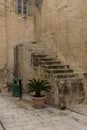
point(39, 55)
point(61, 76)
point(64, 75)
point(57, 74)
point(45, 59)
point(53, 62)
point(58, 71)
point(55, 65)
point(70, 78)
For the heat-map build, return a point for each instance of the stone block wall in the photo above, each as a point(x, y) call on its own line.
point(2, 35)
point(14, 29)
point(20, 29)
point(24, 64)
point(62, 26)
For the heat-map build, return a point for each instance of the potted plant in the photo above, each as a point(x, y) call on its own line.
point(38, 86)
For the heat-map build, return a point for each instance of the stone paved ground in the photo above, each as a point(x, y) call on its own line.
point(80, 108)
point(18, 114)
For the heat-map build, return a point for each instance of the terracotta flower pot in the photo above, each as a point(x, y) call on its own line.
point(38, 102)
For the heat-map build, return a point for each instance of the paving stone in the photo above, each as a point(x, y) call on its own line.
point(1, 127)
point(16, 117)
point(15, 128)
point(47, 128)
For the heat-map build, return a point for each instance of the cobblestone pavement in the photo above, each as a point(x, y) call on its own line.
point(18, 114)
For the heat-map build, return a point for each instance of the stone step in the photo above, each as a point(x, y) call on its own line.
point(39, 55)
point(70, 79)
point(49, 62)
point(39, 49)
point(35, 44)
point(68, 75)
point(45, 59)
point(54, 66)
point(41, 52)
point(59, 70)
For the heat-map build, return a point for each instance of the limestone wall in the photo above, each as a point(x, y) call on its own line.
point(14, 29)
point(62, 25)
point(20, 29)
point(24, 64)
point(2, 35)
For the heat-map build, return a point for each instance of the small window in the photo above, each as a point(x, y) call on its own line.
point(25, 7)
point(19, 6)
point(22, 6)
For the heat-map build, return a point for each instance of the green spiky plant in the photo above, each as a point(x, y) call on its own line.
point(38, 86)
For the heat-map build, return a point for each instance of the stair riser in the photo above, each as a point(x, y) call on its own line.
point(56, 67)
point(48, 63)
point(60, 71)
point(46, 59)
point(63, 76)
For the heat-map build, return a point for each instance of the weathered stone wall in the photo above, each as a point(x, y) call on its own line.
point(19, 29)
point(2, 35)
point(24, 63)
point(62, 25)
point(24, 60)
point(14, 29)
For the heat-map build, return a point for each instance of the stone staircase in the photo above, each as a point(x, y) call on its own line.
point(67, 86)
point(40, 62)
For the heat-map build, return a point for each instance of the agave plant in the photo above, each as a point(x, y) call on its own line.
point(38, 86)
